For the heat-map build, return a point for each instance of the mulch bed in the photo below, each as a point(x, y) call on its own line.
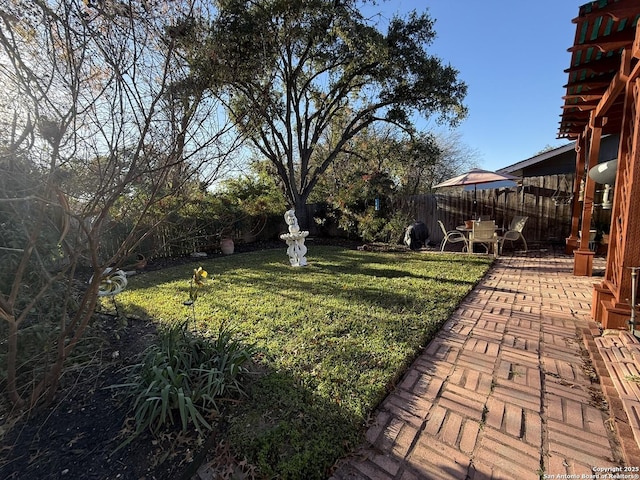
point(76, 436)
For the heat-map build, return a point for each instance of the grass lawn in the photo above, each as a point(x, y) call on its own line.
point(336, 336)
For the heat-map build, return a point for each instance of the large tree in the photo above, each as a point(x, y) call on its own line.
point(381, 165)
point(290, 70)
point(429, 159)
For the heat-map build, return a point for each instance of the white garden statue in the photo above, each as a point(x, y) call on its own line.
point(295, 240)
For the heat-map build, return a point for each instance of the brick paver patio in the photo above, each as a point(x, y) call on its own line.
point(506, 390)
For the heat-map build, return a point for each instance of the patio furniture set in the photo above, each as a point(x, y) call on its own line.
point(485, 233)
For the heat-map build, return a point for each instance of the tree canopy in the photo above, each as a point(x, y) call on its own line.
point(299, 75)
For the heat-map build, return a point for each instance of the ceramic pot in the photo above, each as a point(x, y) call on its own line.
point(141, 262)
point(227, 246)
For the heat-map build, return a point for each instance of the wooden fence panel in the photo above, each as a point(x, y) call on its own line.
point(422, 208)
point(539, 198)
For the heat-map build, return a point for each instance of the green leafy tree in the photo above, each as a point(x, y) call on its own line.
point(288, 71)
point(380, 165)
point(255, 192)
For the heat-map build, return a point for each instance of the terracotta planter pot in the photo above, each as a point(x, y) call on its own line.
point(468, 224)
point(227, 246)
point(141, 262)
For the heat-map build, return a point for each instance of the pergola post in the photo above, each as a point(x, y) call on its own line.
point(583, 257)
point(611, 297)
point(576, 205)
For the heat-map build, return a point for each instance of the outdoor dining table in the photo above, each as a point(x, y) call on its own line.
point(466, 230)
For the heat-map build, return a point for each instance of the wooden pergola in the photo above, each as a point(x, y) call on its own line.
point(603, 97)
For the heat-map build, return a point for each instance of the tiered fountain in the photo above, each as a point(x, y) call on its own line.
point(295, 240)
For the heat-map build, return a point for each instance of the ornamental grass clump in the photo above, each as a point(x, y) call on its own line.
point(183, 378)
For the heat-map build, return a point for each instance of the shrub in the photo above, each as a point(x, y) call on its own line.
point(389, 228)
point(184, 376)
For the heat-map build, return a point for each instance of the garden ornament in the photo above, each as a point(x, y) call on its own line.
point(112, 282)
point(295, 240)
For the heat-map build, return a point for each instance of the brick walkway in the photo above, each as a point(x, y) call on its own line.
point(506, 390)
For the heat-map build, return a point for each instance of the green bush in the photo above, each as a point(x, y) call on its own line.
point(376, 228)
point(183, 377)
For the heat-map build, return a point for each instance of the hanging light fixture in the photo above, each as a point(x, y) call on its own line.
point(605, 172)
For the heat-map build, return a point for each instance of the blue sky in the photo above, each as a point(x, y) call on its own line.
point(512, 55)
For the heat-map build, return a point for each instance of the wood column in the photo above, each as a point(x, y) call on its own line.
point(583, 256)
point(576, 204)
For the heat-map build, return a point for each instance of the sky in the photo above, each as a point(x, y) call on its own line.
point(512, 55)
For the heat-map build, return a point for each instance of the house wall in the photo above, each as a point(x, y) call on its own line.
point(564, 162)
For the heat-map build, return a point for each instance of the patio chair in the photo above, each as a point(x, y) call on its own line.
point(484, 233)
point(514, 232)
point(452, 236)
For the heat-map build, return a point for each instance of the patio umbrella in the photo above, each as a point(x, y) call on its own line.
point(490, 185)
point(478, 178)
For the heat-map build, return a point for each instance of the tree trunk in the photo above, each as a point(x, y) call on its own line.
point(302, 213)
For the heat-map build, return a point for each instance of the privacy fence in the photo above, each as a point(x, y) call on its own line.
point(545, 200)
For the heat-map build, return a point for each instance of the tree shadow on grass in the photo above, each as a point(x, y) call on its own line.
point(289, 431)
point(336, 275)
point(282, 426)
point(286, 426)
